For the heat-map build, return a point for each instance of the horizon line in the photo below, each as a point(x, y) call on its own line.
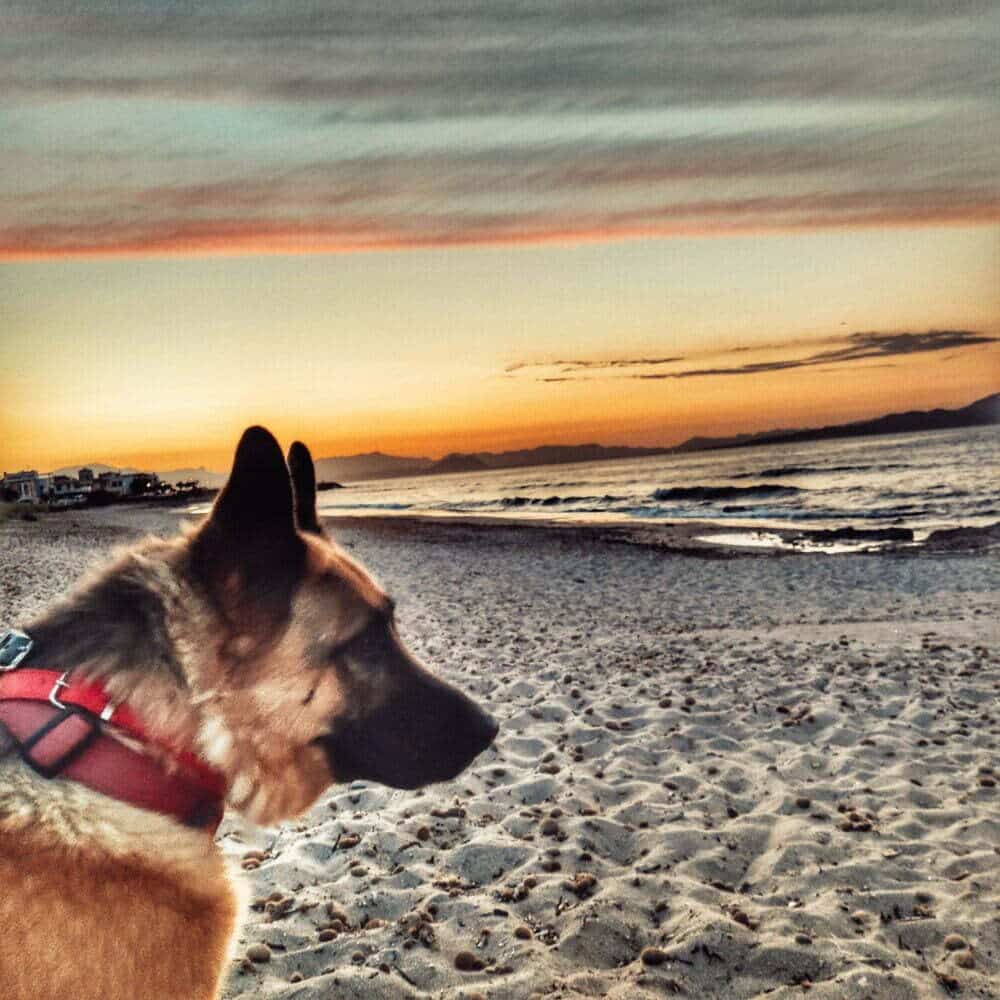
point(588, 444)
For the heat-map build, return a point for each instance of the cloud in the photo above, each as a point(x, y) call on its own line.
point(97, 229)
point(855, 347)
point(182, 127)
point(442, 56)
point(578, 365)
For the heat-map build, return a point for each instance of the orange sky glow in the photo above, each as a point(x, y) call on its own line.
point(426, 352)
point(227, 239)
point(488, 226)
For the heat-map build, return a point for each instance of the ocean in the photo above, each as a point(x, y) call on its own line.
point(923, 482)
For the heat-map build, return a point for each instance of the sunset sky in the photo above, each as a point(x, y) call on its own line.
point(423, 227)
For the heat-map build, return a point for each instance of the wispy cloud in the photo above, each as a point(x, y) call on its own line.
point(580, 365)
point(840, 351)
point(168, 127)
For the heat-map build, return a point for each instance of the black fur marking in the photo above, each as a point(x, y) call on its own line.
point(269, 574)
point(304, 486)
point(425, 730)
point(118, 622)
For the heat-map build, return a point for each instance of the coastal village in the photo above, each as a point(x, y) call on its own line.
point(86, 488)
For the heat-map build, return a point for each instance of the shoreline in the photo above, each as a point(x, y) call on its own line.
point(698, 538)
point(705, 539)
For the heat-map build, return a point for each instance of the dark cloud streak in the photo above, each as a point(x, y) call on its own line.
point(857, 347)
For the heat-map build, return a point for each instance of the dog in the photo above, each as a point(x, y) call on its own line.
point(247, 663)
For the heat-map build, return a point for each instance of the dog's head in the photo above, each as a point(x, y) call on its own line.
point(306, 682)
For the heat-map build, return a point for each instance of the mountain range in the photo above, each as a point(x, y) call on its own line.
point(982, 412)
point(370, 465)
point(376, 465)
point(95, 467)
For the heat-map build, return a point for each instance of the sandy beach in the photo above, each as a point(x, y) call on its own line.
point(719, 774)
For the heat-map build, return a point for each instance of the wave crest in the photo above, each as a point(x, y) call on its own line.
point(725, 492)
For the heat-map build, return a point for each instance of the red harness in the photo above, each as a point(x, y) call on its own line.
point(58, 726)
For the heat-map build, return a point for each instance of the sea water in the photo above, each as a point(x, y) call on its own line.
point(924, 482)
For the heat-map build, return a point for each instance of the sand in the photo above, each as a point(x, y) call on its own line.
point(763, 774)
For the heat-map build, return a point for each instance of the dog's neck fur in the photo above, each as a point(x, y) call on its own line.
point(115, 623)
point(115, 628)
point(149, 629)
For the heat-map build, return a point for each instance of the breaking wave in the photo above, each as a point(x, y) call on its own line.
point(708, 493)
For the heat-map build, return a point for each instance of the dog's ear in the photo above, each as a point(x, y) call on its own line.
point(247, 554)
point(256, 503)
point(304, 486)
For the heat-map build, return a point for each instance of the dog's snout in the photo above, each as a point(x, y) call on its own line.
point(428, 732)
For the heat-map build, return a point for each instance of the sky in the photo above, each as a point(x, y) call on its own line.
point(432, 226)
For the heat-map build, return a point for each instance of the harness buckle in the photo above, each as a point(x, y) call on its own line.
point(105, 713)
point(14, 647)
point(60, 741)
point(54, 693)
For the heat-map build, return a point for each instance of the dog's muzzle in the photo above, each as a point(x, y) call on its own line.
point(426, 733)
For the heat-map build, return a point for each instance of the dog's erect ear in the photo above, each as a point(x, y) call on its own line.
point(248, 553)
point(256, 502)
point(304, 485)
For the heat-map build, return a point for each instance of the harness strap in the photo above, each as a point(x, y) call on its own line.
point(58, 727)
point(53, 688)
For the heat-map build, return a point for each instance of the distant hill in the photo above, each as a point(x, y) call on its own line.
point(206, 477)
point(456, 462)
point(96, 467)
point(982, 412)
point(376, 465)
point(547, 454)
point(371, 465)
point(733, 441)
point(560, 454)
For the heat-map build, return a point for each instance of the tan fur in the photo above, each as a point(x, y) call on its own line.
point(243, 729)
point(102, 901)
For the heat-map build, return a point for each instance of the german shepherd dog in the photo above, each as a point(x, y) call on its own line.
point(250, 663)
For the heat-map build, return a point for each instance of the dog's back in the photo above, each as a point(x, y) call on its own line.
point(98, 904)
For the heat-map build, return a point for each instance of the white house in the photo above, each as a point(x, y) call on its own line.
point(27, 485)
point(121, 483)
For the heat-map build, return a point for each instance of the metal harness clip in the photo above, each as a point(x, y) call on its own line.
point(54, 693)
point(14, 647)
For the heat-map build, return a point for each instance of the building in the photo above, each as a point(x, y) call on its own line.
point(141, 483)
point(29, 487)
point(110, 482)
point(61, 486)
point(63, 491)
point(23, 486)
point(127, 484)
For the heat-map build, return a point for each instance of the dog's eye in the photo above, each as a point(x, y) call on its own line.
point(364, 644)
